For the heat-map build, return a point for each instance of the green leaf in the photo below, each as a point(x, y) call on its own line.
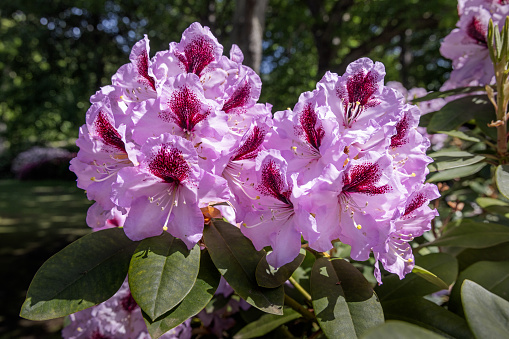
point(454, 173)
point(429, 276)
point(482, 121)
point(268, 276)
point(199, 296)
point(427, 314)
point(493, 276)
point(486, 313)
point(394, 329)
point(460, 135)
point(445, 163)
point(502, 179)
point(236, 259)
point(83, 274)
point(495, 206)
point(344, 302)
point(442, 265)
point(473, 235)
point(265, 324)
point(162, 272)
point(457, 112)
point(470, 256)
point(445, 94)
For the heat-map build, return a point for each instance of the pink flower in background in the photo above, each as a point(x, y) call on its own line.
point(117, 318)
point(467, 44)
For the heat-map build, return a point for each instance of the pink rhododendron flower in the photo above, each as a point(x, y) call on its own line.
point(183, 130)
point(166, 191)
point(467, 44)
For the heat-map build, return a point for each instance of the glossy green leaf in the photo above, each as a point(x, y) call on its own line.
point(199, 296)
point(424, 313)
point(83, 274)
point(457, 112)
point(454, 173)
point(493, 276)
point(473, 235)
point(460, 135)
point(445, 94)
point(470, 256)
point(236, 259)
point(162, 272)
point(502, 179)
point(268, 276)
point(450, 154)
point(453, 159)
point(265, 324)
point(442, 265)
point(486, 313)
point(344, 302)
point(394, 329)
point(429, 276)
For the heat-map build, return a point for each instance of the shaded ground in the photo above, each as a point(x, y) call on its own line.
point(37, 219)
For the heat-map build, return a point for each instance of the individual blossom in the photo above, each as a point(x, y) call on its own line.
point(166, 190)
point(437, 140)
point(136, 79)
point(406, 224)
point(119, 317)
point(99, 218)
point(104, 150)
point(365, 109)
point(276, 218)
point(308, 136)
point(183, 110)
point(467, 45)
point(354, 203)
point(197, 53)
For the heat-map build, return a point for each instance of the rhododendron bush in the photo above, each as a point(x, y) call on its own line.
point(308, 216)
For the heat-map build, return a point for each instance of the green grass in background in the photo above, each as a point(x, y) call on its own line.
point(37, 219)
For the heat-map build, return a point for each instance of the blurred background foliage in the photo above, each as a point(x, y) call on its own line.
point(55, 54)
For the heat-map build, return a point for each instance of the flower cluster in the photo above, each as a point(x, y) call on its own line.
point(346, 163)
point(157, 141)
point(118, 317)
point(183, 130)
point(467, 45)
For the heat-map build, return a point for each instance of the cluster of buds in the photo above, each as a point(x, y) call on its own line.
point(183, 130)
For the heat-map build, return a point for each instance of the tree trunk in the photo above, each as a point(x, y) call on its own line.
point(248, 27)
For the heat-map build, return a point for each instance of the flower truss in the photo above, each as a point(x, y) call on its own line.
point(183, 130)
point(467, 45)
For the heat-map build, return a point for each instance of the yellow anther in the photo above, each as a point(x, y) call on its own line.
point(93, 178)
point(412, 175)
point(410, 260)
point(346, 162)
point(244, 224)
point(165, 228)
point(358, 227)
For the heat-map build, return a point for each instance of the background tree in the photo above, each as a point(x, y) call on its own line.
point(55, 55)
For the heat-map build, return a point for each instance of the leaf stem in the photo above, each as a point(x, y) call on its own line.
point(300, 289)
point(299, 308)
